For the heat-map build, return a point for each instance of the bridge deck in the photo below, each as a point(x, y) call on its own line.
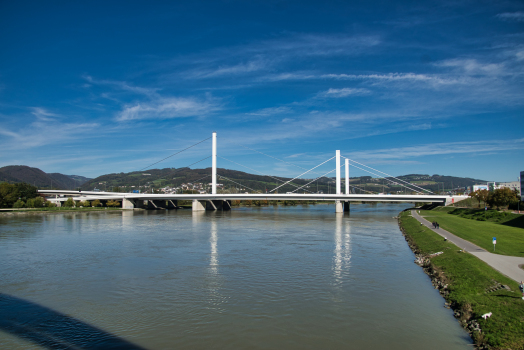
point(90, 195)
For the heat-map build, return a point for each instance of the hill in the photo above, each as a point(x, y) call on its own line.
point(238, 181)
point(40, 179)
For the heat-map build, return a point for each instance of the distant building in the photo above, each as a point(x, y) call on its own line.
point(511, 185)
point(479, 187)
point(522, 186)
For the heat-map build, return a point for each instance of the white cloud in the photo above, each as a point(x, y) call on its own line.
point(44, 132)
point(167, 108)
point(122, 85)
point(512, 16)
point(270, 111)
point(241, 68)
point(478, 147)
point(43, 114)
point(343, 92)
point(472, 67)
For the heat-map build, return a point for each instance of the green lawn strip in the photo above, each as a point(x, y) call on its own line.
point(510, 240)
point(468, 279)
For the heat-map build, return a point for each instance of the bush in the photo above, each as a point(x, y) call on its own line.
point(112, 203)
point(39, 202)
point(19, 204)
point(30, 203)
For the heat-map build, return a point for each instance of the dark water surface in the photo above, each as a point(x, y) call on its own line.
point(260, 278)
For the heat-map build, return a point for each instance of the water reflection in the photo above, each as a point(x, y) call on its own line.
point(213, 261)
point(342, 252)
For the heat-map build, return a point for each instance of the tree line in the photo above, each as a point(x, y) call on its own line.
point(499, 198)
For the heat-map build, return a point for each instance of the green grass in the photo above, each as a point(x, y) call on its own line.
point(510, 240)
point(468, 279)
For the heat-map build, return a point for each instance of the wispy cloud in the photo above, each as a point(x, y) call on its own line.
point(168, 108)
point(434, 149)
point(473, 67)
point(337, 93)
point(266, 112)
point(511, 16)
point(42, 114)
point(44, 131)
point(122, 85)
point(237, 69)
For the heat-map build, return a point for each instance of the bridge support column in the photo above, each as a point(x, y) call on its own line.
point(198, 205)
point(218, 204)
point(339, 207)
point(127, 204)
point(172, 204)
point(346, 207)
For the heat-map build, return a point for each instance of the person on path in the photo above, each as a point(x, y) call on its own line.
point(521, 286)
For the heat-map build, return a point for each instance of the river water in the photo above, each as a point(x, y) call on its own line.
point(297, 277)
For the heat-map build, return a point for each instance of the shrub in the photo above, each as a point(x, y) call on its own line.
point(39, 202)
point(19, 204)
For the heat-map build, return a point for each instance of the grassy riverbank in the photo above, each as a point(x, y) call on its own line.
point(465, 223)
point(469, 281)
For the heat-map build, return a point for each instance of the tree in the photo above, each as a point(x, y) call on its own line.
point(95, 203)
point(112, 203)
point(69, 202)
point(39, 202)
point(480, 195)
point(26, 191)
point(502, 197)
point(30, 203)
point(9, 194)
point(19, 204)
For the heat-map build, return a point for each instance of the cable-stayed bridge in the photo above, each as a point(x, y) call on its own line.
point(222, 201)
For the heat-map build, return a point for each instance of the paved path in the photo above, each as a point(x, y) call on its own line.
point(507, 265)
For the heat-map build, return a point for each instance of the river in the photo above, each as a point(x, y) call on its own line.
point(299, 277)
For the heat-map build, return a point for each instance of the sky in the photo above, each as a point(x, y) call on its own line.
point(404, 87)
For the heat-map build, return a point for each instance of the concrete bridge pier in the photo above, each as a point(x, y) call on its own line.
point(198, 205)
point(339, 206)
point(128, 204)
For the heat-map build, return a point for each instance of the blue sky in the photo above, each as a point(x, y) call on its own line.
point(91, 88)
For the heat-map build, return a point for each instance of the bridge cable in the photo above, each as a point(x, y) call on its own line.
point(292, 184)
point(330, 179)
point(301, 174)
point(237, 183)
point(174, 154)
point(396, 183)
point(389, 175)
point(267, 155)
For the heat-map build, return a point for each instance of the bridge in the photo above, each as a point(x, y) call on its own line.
point(217, 201)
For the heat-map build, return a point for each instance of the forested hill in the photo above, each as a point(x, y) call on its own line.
point(155, 179)
point(36, 177)
point(232, 180)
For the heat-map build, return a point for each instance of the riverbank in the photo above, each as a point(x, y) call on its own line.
point(470, 287)
point(57, 210)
